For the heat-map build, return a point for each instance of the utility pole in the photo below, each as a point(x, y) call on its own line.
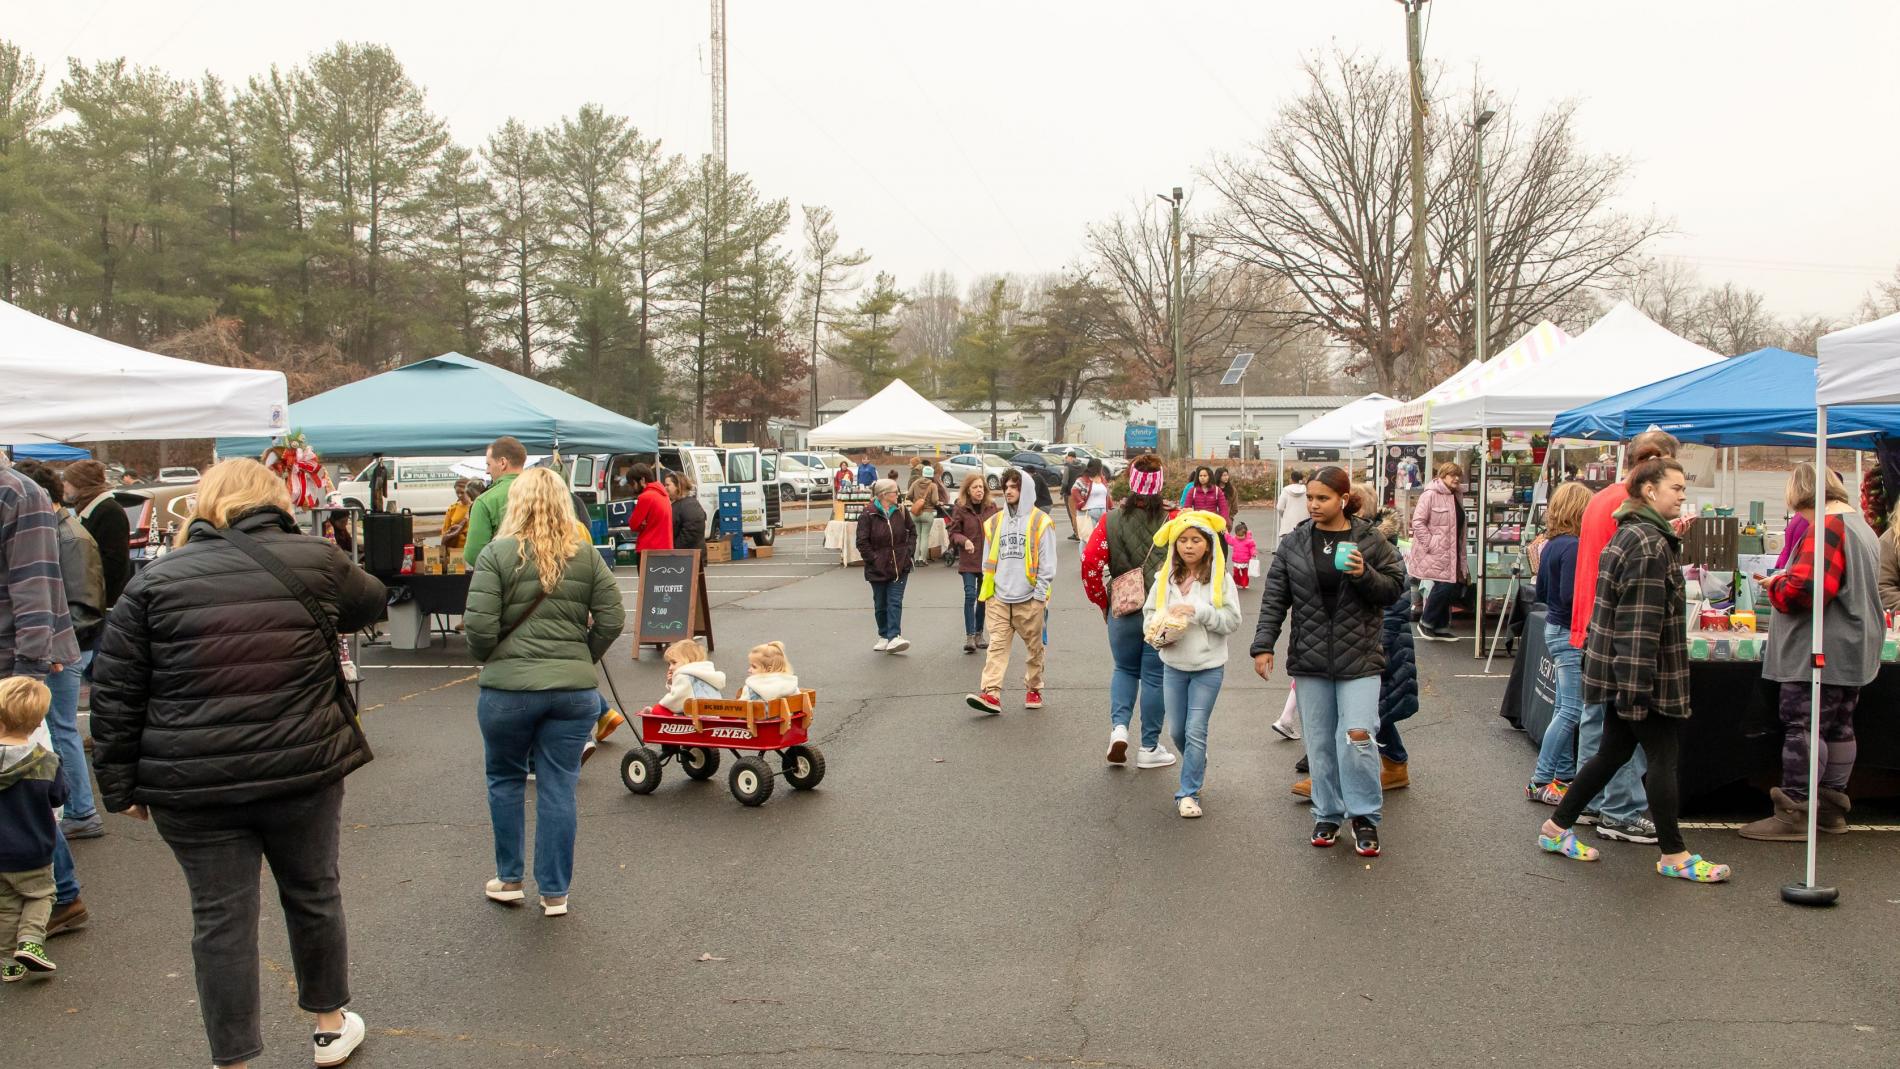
point(719, 82)
point(1483, 228)
point(1414, 52)
point(1183, 398)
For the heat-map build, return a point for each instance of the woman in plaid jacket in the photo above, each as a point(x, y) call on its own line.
point(1636, 662)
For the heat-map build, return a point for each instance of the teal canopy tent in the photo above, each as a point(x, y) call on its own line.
point(452, 405)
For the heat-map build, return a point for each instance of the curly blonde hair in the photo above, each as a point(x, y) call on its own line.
point(540, 519)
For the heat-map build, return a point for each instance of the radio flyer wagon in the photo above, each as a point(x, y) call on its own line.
point(749, 729)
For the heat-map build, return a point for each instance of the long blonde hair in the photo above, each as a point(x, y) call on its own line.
point(541, 520)
point(1564, 516)
point(232, 488)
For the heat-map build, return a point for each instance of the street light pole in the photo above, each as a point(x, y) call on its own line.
point(1482, 230)
point(1415, 57)
point(1184, 405)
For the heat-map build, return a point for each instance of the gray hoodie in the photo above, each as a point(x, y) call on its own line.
point(1013, 585)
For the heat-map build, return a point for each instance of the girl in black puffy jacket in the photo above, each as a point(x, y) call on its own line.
point(219, 713)
point(1336, 575)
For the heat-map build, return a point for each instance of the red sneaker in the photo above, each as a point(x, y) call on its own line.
point(1032, 700)
point(984, 703)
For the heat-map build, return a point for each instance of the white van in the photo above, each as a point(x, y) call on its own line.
point(422, 485)
point(752, 471)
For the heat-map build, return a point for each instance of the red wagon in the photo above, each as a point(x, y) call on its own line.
point(750, 729)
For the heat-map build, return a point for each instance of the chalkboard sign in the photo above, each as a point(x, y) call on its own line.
point(672, 599)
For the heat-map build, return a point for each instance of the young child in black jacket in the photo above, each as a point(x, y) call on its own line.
point(30, 791)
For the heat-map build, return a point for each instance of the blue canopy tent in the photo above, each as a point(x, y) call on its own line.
point(1762, 398)
point(49, 452)
point(452, 405)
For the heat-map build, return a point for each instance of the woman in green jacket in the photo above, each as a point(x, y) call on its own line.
point(542, 608)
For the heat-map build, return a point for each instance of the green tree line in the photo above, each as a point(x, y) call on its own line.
point(326, 207)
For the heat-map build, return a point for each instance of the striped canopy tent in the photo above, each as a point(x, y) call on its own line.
point(1412, 421)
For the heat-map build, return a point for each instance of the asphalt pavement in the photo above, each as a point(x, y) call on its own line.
point(985, 891)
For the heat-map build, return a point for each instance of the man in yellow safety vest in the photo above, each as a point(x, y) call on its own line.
point(1019, 569)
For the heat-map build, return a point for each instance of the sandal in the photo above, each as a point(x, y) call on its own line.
point(1695, 870)
point(1567, 845)
point(1188, 807)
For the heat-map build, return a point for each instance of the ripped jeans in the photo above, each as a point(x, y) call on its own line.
point(1345, 769)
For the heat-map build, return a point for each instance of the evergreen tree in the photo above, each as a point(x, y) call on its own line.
point(981, 370)
point(868, 346)
point(523, 246)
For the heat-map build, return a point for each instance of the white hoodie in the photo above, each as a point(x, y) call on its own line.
point(765, 686)
point(1013, 585)
point(1292, 507)
point(694, 679)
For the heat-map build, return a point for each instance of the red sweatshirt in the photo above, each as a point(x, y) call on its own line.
point(652, 519)
point(1599, 526)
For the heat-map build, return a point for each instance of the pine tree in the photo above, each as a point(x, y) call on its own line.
point(521, 233)
point(981, 371)
point(867, 347)
point(588, 182)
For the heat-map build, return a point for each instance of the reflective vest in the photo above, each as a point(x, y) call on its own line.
point(1039, 524)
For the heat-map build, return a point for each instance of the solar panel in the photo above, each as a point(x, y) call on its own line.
point(1233, 376)
point(1241, 361)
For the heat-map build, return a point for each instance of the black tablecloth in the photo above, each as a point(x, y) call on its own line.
point(435, 595)
point(1734, 728)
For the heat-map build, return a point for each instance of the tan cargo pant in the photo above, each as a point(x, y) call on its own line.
point(1003, 623)
point(26, 904)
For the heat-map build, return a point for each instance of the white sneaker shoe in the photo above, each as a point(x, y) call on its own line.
point(1286, 731)
point(1159, 757)
point(898, 645)
point(882, 645)
point(335, 1048)
point(1118, 745)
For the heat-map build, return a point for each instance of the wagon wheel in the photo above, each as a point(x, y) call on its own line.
point(751, 781)
point(640, 770)
point(804, 767)
point(699, 762)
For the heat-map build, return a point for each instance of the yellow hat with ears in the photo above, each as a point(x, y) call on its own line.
point(1212, 525)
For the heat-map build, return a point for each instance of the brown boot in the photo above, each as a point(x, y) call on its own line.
point(1835, 805)
point(1304, 788)
point(1789, 824)
point(69, 917)
point(1392, 774)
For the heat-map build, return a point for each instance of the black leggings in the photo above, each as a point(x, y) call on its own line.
point(1661, 739)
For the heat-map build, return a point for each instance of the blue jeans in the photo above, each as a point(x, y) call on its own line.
point(65, 876)
point(1623, 798)
point(1557, 756)
point(972, 608)
point(1345, 770)
point(550, 725)
point(1190, 697)
point(887, 601)
point(62, 722)
point(1138, 672)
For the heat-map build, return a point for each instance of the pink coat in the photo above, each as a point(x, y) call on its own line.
point(1243, 548)
point(1436, 554)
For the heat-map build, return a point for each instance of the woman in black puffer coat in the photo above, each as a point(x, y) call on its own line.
point(1336, 576)
point(219, 713)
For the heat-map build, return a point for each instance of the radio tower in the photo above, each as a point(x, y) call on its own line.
point(719, 81)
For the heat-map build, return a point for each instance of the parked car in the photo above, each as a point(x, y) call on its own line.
point(954, 469)
point(151, 509)
point(422, 485)
point(178, 476)
point(800, 479)
point(1113, 465)
point(1044, 466)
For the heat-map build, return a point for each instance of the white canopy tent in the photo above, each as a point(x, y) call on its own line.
point(1621, 351)
point(1422, 418)
point(1856, 366)
point(1350, 426)
point(64, 385)
point(895, 415)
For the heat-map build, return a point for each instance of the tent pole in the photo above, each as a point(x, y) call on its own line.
point(1807, 894)
point(1484, 517)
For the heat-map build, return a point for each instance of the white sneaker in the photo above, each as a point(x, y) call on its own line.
point(335, 1048)
point(1159, 757)
point(1118, 745)
point(898, 645)
point(1287, 731)
point(882, 645)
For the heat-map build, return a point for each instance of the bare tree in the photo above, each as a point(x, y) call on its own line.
point(927, 329)
point(1323, 203)
point(1803, 335)
point(1735, 320)
point(1669, 292)
point(1884, 299)
point(827, 273)
point(1132, 253)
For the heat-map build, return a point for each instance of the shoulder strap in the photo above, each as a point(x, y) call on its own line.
point(541, 595)
point(267, 560)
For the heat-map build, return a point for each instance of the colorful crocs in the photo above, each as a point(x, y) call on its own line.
point(1567, 845)
point(1694, 870)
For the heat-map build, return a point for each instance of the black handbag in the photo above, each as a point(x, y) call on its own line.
point(346, 698)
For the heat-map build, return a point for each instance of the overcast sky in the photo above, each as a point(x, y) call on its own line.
point(984, 136)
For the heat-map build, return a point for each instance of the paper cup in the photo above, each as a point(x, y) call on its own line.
point(1342, 554)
